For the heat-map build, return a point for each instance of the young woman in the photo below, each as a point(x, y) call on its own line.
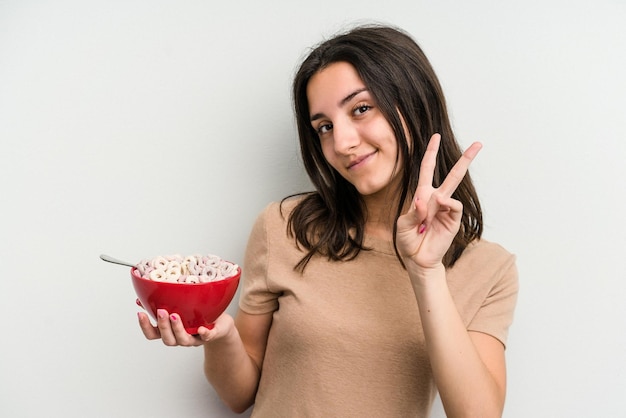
point(375, 291)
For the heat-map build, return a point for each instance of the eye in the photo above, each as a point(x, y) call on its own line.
point(361, 109)
point(324, 128)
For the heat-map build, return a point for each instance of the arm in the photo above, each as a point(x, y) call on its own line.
point(233, 351)
point(233, 364)
point(468, 367)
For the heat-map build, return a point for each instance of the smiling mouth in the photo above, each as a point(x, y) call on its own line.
point(359, 160)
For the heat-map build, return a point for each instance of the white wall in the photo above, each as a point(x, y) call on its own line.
point(143, 127)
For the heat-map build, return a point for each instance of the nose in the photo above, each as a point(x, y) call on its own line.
point(345, 137)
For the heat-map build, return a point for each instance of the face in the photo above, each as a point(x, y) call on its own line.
point(356, 139)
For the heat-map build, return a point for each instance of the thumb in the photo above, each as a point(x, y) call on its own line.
point(414, 217)
point(218, 329)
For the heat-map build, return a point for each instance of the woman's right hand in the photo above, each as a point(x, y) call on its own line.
point(171, 331)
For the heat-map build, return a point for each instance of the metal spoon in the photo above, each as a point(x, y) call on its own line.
point(110, 259)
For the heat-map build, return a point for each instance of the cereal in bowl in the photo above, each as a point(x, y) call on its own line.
point(189, 269)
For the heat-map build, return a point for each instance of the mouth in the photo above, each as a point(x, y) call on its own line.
point(359, 160)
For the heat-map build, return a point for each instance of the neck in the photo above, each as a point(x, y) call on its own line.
point(381, 216)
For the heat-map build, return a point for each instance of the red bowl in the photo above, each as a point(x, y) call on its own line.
point(198, 304)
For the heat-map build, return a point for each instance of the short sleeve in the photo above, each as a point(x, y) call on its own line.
point(495, 315)
point(255, 297)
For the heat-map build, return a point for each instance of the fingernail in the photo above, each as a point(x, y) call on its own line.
point(173, 317)
point(422, 228)
point(161, 313)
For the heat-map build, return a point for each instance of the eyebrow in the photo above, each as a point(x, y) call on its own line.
point(341, 103)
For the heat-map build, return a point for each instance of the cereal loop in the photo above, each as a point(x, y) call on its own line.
point(158, 275)
point(190, 269)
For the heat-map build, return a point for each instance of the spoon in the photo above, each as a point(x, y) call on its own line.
point(110, 259)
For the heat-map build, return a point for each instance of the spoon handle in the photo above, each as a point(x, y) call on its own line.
point(110, 259)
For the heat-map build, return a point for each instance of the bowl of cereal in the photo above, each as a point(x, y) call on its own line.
point(198, 288)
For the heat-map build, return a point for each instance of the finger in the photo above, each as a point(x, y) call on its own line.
point(448, 204)
point(433, 207)
point(429, 162)
point(441, 205)
point(210, 332)
point(205, 334)
point(149, 331)
point(414, 216)
point(165, 327)
point(180, 333)
point(421, 212)
point(452, 213)
point(457, 173)
point(217, 329)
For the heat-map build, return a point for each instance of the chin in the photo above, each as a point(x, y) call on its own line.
point(383, 190)
point(369, 190)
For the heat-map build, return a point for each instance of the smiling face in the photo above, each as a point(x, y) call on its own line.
point(355, 137)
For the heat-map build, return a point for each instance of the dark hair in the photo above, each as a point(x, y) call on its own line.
point(331, 220)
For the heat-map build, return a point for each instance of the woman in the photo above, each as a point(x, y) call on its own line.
point(375, 291)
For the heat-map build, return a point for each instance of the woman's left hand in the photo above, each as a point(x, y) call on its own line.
point(426, 231)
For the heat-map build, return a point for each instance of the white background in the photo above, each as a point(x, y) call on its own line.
point(146, 127)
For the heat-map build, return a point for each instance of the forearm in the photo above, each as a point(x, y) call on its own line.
point(466, 386)
point(231, 371)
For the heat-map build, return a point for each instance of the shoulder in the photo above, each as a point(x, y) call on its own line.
point(484, 284)
point(272, 222)
point(486, 263)
point(277, 212)
point(480, 252)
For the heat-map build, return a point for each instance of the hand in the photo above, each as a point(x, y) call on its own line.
point(426, 231)
point(171, 331)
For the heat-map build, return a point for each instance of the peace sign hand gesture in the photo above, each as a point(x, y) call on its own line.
point(426, 231)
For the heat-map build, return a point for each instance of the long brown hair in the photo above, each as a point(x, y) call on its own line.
point(331, 220)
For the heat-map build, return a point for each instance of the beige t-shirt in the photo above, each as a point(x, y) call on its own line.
point(346, 338)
